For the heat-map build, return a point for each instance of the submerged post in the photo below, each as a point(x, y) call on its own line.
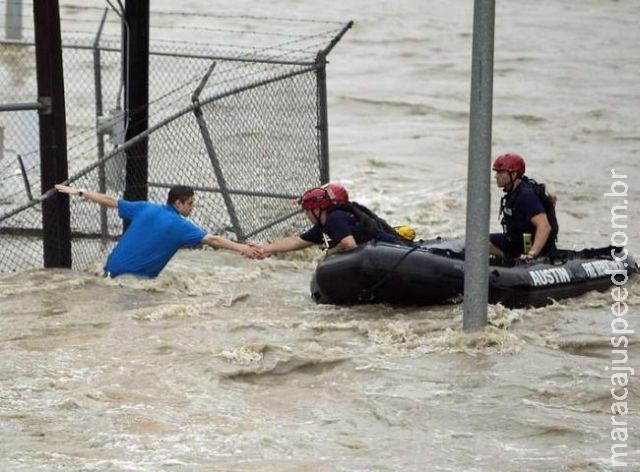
point(476, 270)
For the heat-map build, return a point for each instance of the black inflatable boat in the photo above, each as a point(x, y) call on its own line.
point(433, 273)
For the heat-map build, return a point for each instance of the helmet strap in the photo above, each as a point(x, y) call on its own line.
point(513, 181)
point(317, 215)
point(502, 203)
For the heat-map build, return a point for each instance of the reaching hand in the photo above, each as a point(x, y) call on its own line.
point(260, 248)
point(253, 251)
point(70, 190)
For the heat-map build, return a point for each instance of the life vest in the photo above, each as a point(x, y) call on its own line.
point(369, 226)
point(514, 228)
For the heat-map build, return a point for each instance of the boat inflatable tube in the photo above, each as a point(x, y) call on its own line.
point(433, 273)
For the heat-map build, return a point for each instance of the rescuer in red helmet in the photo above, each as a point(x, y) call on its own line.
point(338, 223)
point(528, 217)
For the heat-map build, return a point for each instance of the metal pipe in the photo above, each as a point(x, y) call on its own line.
point(37, 233)
point(217, 169)
point(248, 193)
point(212, 57)
point(22, 106)
point(97, 81)
point(195, 97)
point(25, 179)
point(323, 119)
point(338, 37)
point(476, 270)
point(48, 194)
point(323, 114)
point(215, 163)
point(273, 223)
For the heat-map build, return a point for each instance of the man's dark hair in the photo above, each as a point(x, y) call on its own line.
point(179, 192)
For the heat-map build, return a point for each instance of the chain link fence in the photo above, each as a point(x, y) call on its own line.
point(249, 145)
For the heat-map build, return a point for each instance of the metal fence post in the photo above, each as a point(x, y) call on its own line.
point(323, 119)
point(25, 178)
point(323, 116)
point(215, 163)
point(97, 81)
point(476, 270)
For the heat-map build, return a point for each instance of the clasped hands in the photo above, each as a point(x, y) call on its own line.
point(255, 250)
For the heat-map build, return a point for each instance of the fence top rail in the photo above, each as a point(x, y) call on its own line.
point(159, 50)
point(248, 193)
point(188, 55)
point(21, 106)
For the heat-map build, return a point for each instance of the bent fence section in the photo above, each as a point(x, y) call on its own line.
point(249, 132)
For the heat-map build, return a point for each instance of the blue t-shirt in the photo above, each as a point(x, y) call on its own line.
point(154, 235)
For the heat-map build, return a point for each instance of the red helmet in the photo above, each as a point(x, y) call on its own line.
point(316, 198)
point(511, 162)
point(337, 192)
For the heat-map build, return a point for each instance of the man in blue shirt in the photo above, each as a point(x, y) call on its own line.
point(156, 232)
point(530, 227)
point(338, 223)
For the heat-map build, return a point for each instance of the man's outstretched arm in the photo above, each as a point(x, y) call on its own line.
point(252, 252)
point(100, 198)
point(289, 243)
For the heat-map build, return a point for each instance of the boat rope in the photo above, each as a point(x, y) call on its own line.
point(367, 294)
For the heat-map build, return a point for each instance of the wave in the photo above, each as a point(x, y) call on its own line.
point(183, 310)
point(413, 109)
point(252, 361)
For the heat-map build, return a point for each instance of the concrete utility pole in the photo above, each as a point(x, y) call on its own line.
point(476, 268)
